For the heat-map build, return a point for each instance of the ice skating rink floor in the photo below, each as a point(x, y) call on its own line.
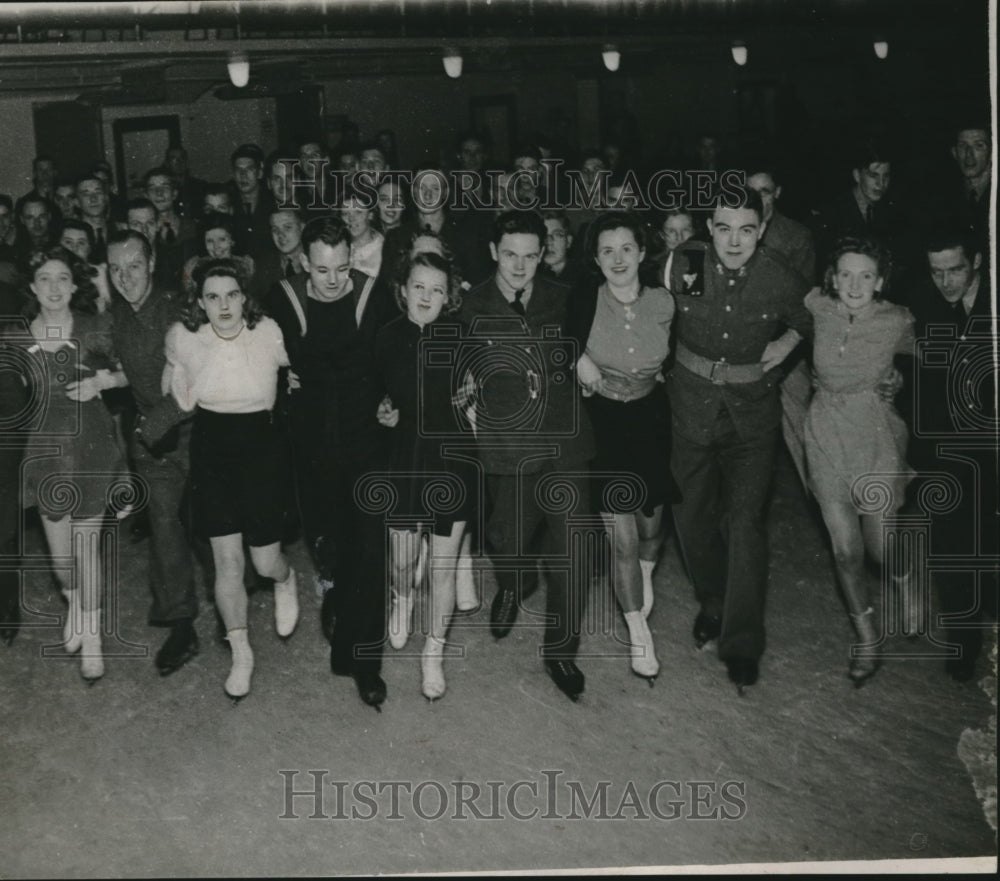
point(145, 776)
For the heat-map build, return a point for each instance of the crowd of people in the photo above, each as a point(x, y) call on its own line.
point(327, 347)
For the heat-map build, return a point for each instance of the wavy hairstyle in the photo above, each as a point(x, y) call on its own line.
point(869, 248)
point(85, 296)
point(205, 268)
point(433, 260)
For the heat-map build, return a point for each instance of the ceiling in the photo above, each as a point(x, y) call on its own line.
point(173, 51)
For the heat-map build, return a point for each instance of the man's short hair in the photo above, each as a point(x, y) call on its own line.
point(138, 204)
point(83, 178)
point(37, 200)
point(278, 209)
point(159, 171)
point(247, 151)
point(7, 202)
point(973, 123)
point(121, 236)
point(42, 157)
point(946, 238)
point(738, 196)
point(330, 230)
point(868, 152)
point(468, 135)
point(557, 214)
point(519, 223)
point(218, 190)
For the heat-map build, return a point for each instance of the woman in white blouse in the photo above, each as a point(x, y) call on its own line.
point(223, 361)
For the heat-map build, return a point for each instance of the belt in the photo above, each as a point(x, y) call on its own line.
point(625, 389)
point(718, 372)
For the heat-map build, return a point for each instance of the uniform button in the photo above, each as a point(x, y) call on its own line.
point(725, 336)
point(631, 351)
point(729, 308)
point(722, 359)
point(628, 327)
point(732, 281)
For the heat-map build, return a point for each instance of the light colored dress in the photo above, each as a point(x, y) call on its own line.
point(855, 441)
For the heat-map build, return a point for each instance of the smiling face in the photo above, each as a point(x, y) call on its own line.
point(619, 255)
point(130, 271)
point(222, 299)
point(856, 280)
point(517, 256)
point(53, 287)
point(218, 243)
point(358, 220)
point(735, 234)
point(390, 204)
point(329, 270)
point(286, 231)
point(425, 291)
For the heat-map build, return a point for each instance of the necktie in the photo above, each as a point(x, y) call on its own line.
point(99, 237)
point(517, 305)
point(247, 208)
point(289, 268)
point(169, 236)
point(869, 215)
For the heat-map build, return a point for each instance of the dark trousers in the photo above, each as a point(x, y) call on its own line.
point(346, 540)
point(520, 523)
point(720, 525)
point(171, 566)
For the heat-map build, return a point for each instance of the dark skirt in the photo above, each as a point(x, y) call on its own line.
point(631, 471)
point(239, 476)
point(438, 493)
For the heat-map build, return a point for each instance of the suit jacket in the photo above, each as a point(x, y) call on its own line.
point(951, 395)
point(253, 231)
point(793, 241)
point(527, 395)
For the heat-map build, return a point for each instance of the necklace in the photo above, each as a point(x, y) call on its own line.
point(227, 338)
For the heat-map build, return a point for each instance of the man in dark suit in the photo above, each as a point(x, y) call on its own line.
point(954, 420)
point(732, 299)
point(190, 190)
point(252, 202)
point(532, 434)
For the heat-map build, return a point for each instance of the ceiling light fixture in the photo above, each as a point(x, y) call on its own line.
point(453, 63)
point(239, 69)
point(612, 57)
point(739, 50)
point(881, 48)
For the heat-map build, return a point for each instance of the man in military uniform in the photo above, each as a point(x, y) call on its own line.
point(733, 299)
